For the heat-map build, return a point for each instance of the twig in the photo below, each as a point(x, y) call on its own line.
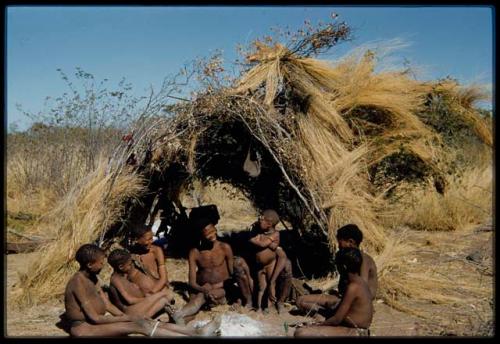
point(186, 100)
point(34, 238)
point(294, 187)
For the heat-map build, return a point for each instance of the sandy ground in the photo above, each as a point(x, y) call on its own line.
point(468, 320)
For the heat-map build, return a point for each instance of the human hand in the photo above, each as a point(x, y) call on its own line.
point(206, 288)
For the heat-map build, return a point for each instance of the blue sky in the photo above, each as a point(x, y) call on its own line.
point(145, 44)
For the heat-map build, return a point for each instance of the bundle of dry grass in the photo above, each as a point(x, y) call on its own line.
point(79, 218)
point(468, 202)
point(462, 100)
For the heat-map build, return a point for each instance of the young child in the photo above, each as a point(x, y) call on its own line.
point(86, 306)
point(354, 315)
point(347, 236)
point(150, 261)
point(129, 298)
point(271, 259)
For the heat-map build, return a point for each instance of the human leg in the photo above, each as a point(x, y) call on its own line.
point(244, 280)
point(261, 276)
point(192, 307)
point(285, 285)
point(118, 329)
point(315, 303)
point(148, 307)
point(327, 331)
point(281, 260)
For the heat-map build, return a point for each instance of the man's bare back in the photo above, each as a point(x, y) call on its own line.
point(369, 273)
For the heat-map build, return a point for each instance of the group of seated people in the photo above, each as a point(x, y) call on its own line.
point(139, 288)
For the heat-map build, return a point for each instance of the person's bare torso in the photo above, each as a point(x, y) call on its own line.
point(212, 265)
point(130, 287)
point(266, 256)
point(361, 312)
point(145, 282)
point(150, 262)
point(91, 296)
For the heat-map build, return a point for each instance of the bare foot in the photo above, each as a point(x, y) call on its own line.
point(150, 326)
point(170, 310)
point(318, 318)
point(211, 329)
point(178, 319)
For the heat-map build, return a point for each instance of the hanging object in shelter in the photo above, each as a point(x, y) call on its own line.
point(252, 167)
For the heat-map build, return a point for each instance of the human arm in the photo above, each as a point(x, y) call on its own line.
point(162, 271)
point(84, 298)
point(229, 258)
point(275, 237)
point(261, 241)
point(110, 307)
point(344, 307)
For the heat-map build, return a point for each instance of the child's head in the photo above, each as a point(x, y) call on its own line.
point(349, 236)
point(120, 260)
point(90, 257)
point(269, 219)
point(348, 260)
point(206, 229)
point(143, 235)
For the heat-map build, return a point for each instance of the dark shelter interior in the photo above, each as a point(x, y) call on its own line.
point(221, 152)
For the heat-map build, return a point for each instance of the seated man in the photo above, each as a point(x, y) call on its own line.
point(354, 315)
point(129, 298)
point(211, 265)
point(271, 259)
point(86, 306)
point(347, 236)
point(150, 261)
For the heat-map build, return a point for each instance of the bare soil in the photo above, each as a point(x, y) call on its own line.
point(474, 259)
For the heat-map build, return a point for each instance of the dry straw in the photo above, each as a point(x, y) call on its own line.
point(78, 219)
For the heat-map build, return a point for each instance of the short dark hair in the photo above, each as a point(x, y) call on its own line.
point(118, 257)
point(350, 231)
point(138, 231)
point(201, 223)
point(272, 216)
point(349, 259)
point(88, 253)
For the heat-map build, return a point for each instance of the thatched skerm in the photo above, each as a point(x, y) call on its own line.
point(317, 130)
point(311, 130)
